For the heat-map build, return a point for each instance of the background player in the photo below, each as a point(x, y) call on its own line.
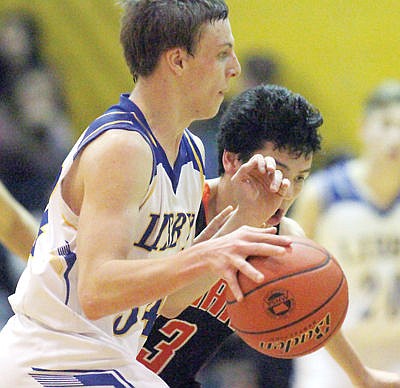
point(353, 208)
point(272, 121)
point(112, 240)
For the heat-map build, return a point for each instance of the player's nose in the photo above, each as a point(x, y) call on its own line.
point(234, 69)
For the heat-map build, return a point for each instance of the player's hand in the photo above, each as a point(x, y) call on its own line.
point(228, 254)
point(214, 225)
point(259, 189)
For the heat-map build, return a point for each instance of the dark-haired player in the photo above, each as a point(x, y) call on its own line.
point(274, 122)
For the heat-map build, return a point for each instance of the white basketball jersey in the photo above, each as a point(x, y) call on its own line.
point(366, 241)
point(47, 291)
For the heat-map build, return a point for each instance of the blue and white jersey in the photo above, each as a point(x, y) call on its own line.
point(47, 291)
point(365, 238)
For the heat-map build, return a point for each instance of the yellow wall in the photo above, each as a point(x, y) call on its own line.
point(331, 51)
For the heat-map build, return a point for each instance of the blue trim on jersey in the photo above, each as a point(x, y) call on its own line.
point(44, 221)
point(80, 378)
point(127, 116)
point(121, 118)
point(70, 259)
point(336, 186)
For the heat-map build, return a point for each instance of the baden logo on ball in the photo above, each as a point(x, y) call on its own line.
point(301, 303)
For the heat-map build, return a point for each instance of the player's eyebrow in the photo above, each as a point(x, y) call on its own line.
point(228, 44)
point(283, 165)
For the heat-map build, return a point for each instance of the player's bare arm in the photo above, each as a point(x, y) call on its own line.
point(18, 228)
point(109, 283)
point(360, 375)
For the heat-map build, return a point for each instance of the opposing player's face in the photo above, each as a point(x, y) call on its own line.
point(210, 70)
point(294, 168)
point(381, 133)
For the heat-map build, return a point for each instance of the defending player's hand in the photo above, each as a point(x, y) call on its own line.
point(229, 253)
point(259, 189)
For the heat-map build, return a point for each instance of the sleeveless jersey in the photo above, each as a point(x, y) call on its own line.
point(46, 294)
point(178, 348)
point(366, 241)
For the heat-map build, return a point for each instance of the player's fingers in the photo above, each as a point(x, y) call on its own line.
point(276, 181)
point(221, 218)
point(246, 269)
point(270, 164)
point(233, 284)
point(275, 248)
point(284, 188)
point(215, 224)
point(261, 163)
point(264, 235)
point(255, 162)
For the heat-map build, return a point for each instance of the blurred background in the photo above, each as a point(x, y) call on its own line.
point(61, 65)
point(331, 51)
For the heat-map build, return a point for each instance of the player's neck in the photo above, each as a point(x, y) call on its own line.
point(161, 109)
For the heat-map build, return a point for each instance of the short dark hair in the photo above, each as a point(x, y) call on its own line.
point(387, 93)
point(150, 27)
point(269, 113)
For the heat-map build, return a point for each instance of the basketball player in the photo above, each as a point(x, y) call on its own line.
point(115, 238)
point(275, 122)
point(353, 208)
point(17, 227)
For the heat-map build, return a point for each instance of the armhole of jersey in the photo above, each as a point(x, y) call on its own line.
point(201, 221)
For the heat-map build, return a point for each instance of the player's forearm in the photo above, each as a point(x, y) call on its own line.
point(346, 357)
point(20, 234)
point(179, 300)
point(119, 285)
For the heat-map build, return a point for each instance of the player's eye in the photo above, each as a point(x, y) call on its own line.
point(223, 55)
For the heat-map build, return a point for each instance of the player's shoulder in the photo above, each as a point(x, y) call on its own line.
point(119, 145)
point(290, 227)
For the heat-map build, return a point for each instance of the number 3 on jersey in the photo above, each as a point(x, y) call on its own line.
point(179, 333)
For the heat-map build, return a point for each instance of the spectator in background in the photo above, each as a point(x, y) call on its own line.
point(353, 208)
point(19, 48)
point(39, 139)
point(35, 132)
point(257, 68)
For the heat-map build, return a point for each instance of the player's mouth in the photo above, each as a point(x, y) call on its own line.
point(276, 218)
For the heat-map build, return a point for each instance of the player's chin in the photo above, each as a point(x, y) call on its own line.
point(213, 110)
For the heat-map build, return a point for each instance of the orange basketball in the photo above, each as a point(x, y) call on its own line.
point(301, 303)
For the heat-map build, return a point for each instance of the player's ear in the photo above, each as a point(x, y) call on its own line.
point(231, 162)
point(175, 59)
